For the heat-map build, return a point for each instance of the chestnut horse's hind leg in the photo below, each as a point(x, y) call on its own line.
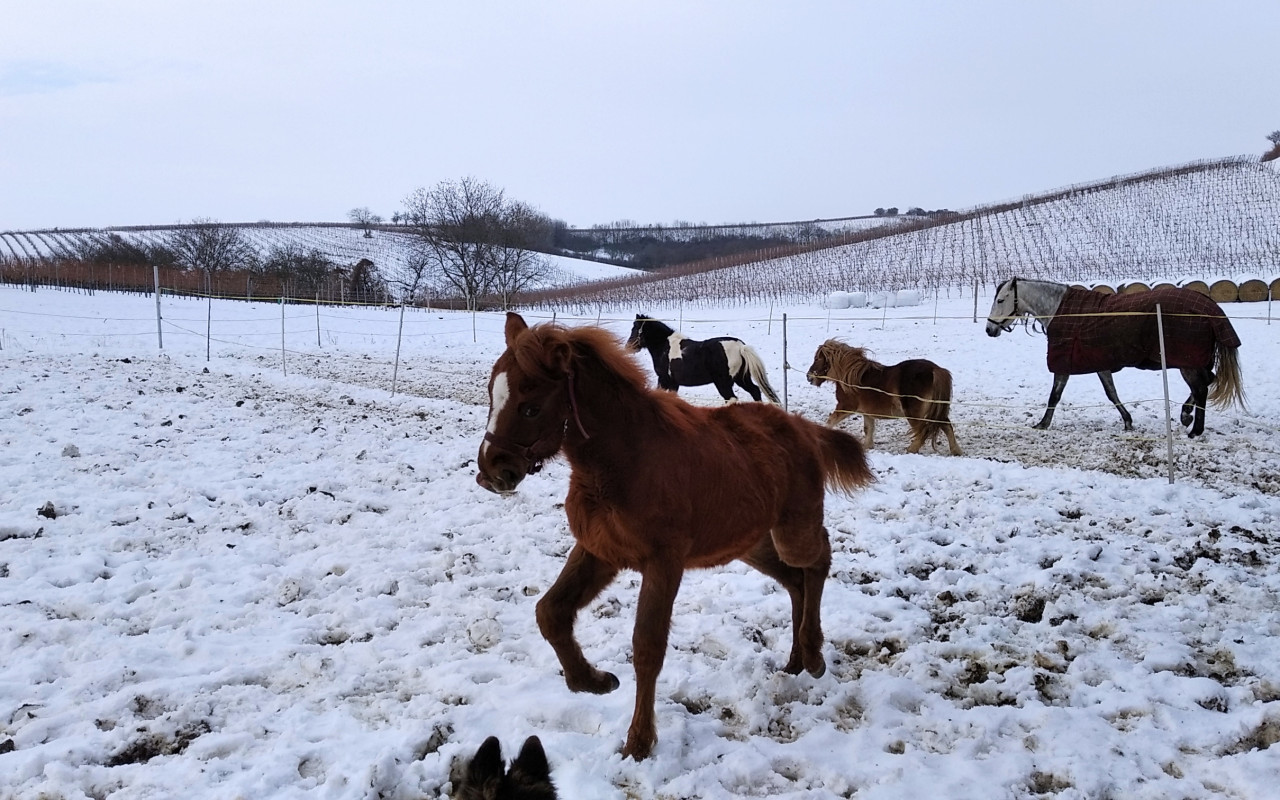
point(583, 578)
point(1109, 386)
point(804, 584)
point(837, 416)
point(659, 583)
point(950, 431)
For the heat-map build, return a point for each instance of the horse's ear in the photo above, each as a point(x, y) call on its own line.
point(560, 357)
point(515, 326)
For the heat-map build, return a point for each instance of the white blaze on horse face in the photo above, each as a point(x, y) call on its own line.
point(498, 397)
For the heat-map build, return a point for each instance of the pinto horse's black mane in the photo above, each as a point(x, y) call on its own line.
point(651, 333)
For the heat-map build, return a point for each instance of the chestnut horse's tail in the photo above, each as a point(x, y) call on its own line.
point(844, 460)
point(1228, 385)
point(937, 408)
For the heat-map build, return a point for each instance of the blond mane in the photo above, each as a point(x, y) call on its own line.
point(845, 363)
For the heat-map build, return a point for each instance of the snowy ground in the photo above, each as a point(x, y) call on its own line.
point(270, 577)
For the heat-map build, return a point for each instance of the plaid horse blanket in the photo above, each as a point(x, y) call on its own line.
point(1092, 332)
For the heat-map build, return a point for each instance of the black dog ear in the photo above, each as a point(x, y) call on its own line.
point(532, 760)
point(530, 773)
point(487, 764)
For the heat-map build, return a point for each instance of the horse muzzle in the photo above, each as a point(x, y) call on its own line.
point(504, 483)
point(994, 328)
point(501, 464)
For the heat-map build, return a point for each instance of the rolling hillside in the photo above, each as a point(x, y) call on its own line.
point(1202, 220)
point(1215, 218)
point(341, 243)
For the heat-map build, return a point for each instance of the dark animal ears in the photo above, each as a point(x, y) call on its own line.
point(530, 775)
point(515, 326)
point(532, 761)
point(487, 764)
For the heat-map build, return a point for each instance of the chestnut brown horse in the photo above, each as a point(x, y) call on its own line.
point(917, 390)
point(660, 486)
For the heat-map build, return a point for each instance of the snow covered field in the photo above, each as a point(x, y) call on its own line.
point(266, 576)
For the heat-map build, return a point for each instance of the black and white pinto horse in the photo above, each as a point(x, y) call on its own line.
point(681, 361)
point(1093, 332)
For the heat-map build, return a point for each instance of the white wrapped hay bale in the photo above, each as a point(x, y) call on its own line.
point(838, 300)
point(907, 297)
point(857, 299)
point(884, 299)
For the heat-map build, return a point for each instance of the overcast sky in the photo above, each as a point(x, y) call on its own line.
point(132, 113)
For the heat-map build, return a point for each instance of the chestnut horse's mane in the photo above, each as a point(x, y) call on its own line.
point(538, 349)
point(845, 363)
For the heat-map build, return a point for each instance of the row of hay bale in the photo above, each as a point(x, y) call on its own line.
point(1223, 290)
point(888, 299)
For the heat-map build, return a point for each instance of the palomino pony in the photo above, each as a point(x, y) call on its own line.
point(1093, 332)
point(660, 486)
point(681, 361)
point(917, 390)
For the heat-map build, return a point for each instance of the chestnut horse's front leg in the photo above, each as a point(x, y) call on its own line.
point(583, 578)
point(658, 586)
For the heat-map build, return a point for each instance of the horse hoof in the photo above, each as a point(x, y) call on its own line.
point(598, 683)
point(818, 670)
point(639, 747)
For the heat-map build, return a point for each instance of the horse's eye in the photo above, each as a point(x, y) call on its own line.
point(530, 411)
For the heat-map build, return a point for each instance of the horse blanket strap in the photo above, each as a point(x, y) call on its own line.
point(1093, 332)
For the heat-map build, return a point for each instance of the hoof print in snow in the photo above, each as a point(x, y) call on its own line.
point(290, 592)
point(484, 634)
point(47, 511)
point(71, 451)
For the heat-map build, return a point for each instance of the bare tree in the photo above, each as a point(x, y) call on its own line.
point(210, 246)
point(515, 266)
point(365, 218)
point(1274, 152)
point(473, 240)
point(452, 224)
